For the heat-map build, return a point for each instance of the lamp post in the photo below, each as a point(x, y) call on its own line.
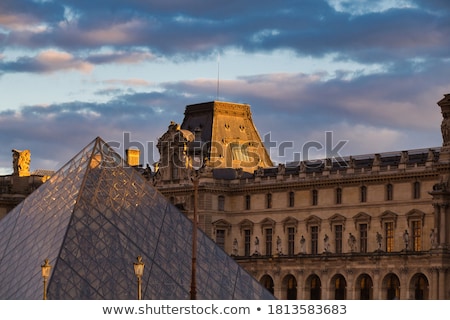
point(139, 271)
point(195, 180)
point(45, 270)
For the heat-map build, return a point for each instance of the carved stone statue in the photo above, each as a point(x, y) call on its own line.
point(235, 247)
point(379, 240)
point(281, 169)
point(326, 243)
point(279, 245)
point(376, 160)
point(21, 162)
point(445, 130)
point(433, 239)
point(352, 242)
point(406, 239)
point(256, 246)
point(302, 245)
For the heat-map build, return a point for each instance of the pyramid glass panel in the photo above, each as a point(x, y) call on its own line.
point(91, 220)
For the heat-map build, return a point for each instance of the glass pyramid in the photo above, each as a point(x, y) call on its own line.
point(91, 220)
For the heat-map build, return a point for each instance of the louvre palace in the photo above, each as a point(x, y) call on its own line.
point(369, 227)
point(361, 227)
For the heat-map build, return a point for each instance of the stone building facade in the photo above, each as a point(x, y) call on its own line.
point(362, 227)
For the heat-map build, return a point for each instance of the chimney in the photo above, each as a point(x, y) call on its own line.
point(133, 157)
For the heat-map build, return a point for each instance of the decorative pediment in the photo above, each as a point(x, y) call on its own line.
point(222, 224)
point(246, 224)
point(267, 223)
point(414, 215)
point(362, 217)
point(290, 222)
point(313, 221)
point(388, 216)
point(337, 219)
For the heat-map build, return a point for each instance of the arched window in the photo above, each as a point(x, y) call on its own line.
point(392, 287)
point(267, 282)
point(365, 287)
point(290, 285)
point(315, 291)
point(340, 287)
point(420, 286)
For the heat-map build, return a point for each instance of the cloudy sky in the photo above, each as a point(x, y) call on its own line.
point(368, 71)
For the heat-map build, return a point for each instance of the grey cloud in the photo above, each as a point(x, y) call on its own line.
point(195, 28)
point(57, 131)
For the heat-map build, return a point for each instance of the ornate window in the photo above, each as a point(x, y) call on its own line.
point(221, 228)
point(389, 236)
point(314, 239)
point(247, 242)
point(291, 241)
point(290, 226)
point(388, 222)
point(416, 220)
point(246, 228)
point(338, 230)
point(363, 237)
point(416, 235)
point(268, 232)
point(337, 226)
point(362, 217)
point(220, 238)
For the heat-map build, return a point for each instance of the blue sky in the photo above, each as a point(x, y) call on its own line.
point(371, 72)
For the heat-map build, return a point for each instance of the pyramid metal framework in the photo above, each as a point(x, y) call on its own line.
point(91, 220)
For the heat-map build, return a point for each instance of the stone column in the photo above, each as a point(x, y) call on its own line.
point(434, 284)
point(377, 285)
point(442, 282)
point(441, 200)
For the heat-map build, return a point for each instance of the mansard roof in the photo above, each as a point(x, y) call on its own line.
point(392, 160)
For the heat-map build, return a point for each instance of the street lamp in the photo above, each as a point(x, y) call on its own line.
point(196, 165)
point(139, 271)
point(45, 270)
